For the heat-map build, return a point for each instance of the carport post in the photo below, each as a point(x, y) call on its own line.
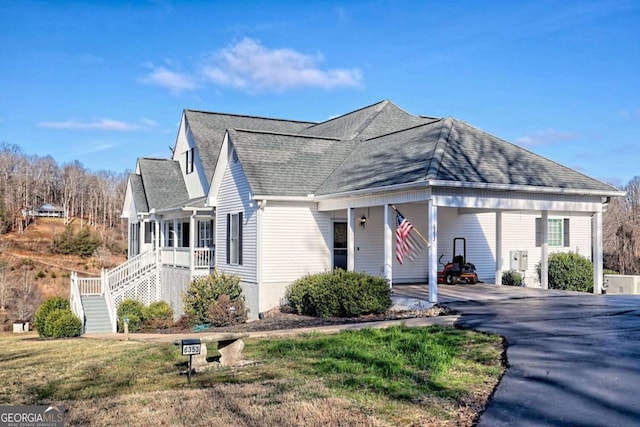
point(433, 250)
point(351, 244)
point(388, 244)
point(596, 230)
point(498, 248)
point(544, 259)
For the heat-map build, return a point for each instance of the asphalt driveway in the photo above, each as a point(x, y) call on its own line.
point(574, 359)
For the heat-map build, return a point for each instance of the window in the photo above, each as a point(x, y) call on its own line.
point(205, 234)
point(189, 159)
point(234, 239)
point(148, 233)
point(168, 234)
point(557, 232)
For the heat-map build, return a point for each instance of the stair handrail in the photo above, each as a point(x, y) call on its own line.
point(111, 307)
point(132, 268)
point(75, 298)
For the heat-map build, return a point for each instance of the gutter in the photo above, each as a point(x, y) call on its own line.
point(472, 185)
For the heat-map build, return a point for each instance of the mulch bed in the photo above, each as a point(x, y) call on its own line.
point(281, 318)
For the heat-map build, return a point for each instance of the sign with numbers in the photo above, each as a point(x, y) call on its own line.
point(190, 347)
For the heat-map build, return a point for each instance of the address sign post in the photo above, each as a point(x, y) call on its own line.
point(190, 347)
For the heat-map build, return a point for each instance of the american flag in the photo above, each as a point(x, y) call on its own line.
point(407, 244)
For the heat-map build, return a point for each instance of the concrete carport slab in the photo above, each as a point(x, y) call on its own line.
point(573, 358)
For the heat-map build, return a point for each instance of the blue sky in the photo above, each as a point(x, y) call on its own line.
point(106, 82)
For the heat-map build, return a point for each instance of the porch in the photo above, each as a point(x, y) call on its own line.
point(145, 277)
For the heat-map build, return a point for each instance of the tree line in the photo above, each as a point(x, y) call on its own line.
point(29, 181)
point(621, 231)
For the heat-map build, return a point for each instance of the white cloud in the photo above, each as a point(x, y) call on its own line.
point(102, 124)
point(545, 137)
point(177, 82)
point(249, 66)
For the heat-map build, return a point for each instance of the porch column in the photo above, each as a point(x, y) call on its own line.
point(544, 259)
point(498, 248)
point(351, 244)
point(192, 241)
point(388, 244)
point(596, 231)
point(433, 250)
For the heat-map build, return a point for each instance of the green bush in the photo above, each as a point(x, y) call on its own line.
point(133, 310)
point(84, 243)
point(569, 271)
point(512, 278)
point(339, 294)
point(51, 304)
point(157, 315)
point(205, 291)
point(64, 325)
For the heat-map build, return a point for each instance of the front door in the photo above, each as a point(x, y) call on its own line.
point(340, 245)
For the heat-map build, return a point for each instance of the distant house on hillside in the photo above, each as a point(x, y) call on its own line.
point(49, 210)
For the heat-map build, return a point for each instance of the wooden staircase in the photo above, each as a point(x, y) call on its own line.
point(96, 314)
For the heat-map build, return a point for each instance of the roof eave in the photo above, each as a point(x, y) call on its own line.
point(472, 185)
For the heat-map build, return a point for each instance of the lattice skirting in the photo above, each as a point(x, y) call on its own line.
point(170, 285)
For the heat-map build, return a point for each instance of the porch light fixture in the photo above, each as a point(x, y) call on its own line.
point(363, 220)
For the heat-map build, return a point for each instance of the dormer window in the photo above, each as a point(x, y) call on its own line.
point(189, 156)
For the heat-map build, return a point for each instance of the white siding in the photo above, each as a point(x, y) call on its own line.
point(296, 241)
point(518, 233)
point(196, 182)
point(233, 199)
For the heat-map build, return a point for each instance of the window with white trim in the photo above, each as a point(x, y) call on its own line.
point(234, 238)
point(205, 234)
point(558, 231)
point(189, 160)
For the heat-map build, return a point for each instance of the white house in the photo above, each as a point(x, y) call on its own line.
point(273, 200)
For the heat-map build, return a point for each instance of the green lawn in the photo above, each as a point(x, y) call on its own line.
point(393, 376)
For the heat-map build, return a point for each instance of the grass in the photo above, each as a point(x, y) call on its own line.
point(371, 377)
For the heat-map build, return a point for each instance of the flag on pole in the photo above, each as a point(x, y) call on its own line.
point(408, 244)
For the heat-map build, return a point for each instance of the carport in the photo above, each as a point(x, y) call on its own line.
point(442, 176)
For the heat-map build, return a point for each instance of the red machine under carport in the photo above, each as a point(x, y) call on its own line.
point(458, 270)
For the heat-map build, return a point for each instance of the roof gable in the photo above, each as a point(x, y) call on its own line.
point(163, 183)
point(285, 164)
point(208, 131)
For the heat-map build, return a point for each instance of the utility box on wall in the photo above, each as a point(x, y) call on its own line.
point(519, 260)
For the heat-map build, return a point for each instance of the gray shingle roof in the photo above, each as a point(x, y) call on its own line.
point(163, 183)
point(472, 155)
point(208, 130)
point(378, 119)
point(137, 190)
point(450, 150)
point(377, 146)
point(285, 164)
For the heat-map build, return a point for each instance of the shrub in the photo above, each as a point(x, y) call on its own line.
point(133, 310)
point(569, 271)
point(51, 304)
point(84, 243)
point(158, 315)
point(41, 274)
point(51, 319)
point(512, 278)
point(63, 324)
point(224, 312)
point(204, 291)
point(339, 294)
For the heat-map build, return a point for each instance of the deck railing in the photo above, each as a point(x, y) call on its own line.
point(130, 270)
